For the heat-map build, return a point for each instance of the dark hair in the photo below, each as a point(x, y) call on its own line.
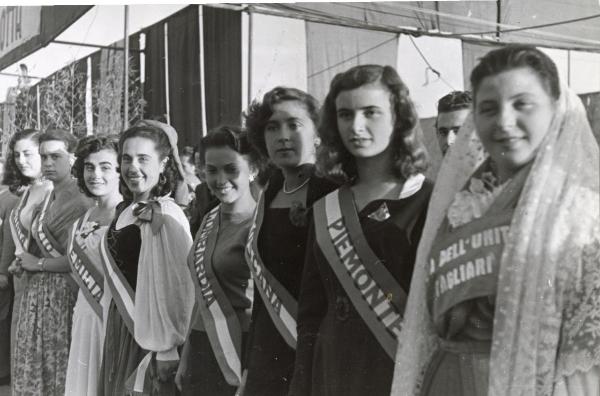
point(167, 184)
point(514, 56)
point(258, 113)
point(455, 100)
point(410, 156)
point(13, 178)
point(187, 152)
point(89, 145)
point(236, 139)
point(60, 135)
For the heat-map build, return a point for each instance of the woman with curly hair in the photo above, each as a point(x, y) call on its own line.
point(45, 315)
point(283, 129)
point(212, 357)
point(144, 257)
point(362, 243)
point(21, 170)
point(97, 173)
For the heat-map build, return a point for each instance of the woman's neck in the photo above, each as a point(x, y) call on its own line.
point(375, 170)
point(294, 177)
point(244, 204)
point(109, 201)
point(145, 196)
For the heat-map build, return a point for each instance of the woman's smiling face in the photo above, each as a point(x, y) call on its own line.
point(513, 113)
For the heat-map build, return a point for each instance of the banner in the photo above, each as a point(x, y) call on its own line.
point(17, 25)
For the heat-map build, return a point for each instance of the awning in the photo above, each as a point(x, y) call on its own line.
point(24, 30)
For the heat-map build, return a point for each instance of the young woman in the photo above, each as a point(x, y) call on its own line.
point(144, 255)
point(506, 290)
point(363, 243)
point(13, 185)
point(212, 357)
point(97, 172)
point(24, 169)
point(44, 327)
point(283, 129)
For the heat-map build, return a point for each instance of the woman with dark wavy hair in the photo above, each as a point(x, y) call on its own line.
point(23, 176)
point(212, 357)
point(97, 172)
point(362, 243)
point(283, 128)
point(23, 150)
point(144, 256)
point(44, 327)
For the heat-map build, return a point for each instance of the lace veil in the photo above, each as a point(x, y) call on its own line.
point(556, 217)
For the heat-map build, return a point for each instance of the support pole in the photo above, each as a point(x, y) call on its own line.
point(39, 117)
point(126, 71)
point(167, 104)
point(202, 72)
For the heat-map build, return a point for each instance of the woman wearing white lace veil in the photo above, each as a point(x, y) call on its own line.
point(529, 322)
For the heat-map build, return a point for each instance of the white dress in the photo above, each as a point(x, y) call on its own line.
point(85, 355)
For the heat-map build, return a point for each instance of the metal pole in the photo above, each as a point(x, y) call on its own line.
point(37, 96)
point(167, 104)
point(249, 57)
point(202, 73)
point(126, 71)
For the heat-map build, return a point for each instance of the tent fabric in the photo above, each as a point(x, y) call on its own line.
point(223, 65)
point(184, 75)
point(328, 55)
point(279, 54)
point(469, 18)
point(155, 86)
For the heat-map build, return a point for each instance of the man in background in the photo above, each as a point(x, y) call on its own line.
point(453, 109)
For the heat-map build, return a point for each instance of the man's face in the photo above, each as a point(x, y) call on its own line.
point(447, 127)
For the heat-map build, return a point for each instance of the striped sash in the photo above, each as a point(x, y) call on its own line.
point(220, 320)
point(139, 382)
point(89, 279)
point(280, 304)
point(375, 294)
point(121, 292)
point(19, 233)
point(46, 242)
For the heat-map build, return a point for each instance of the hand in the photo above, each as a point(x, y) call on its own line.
point(180, 375)
point(3, 281)
point(166, 369)
point(29, 262)
point(15, 268)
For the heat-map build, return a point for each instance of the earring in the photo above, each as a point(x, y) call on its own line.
point(317, 141)
point(251, 177)
point(162, 179)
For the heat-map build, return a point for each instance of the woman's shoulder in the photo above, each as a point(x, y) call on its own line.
point(172, 212)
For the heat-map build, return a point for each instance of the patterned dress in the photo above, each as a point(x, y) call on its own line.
point(46, 310)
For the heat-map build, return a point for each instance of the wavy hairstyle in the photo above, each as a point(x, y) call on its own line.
point(237, 139)
point(258, 113)
point(410, 155)
point(89, 145)
point(166, 184)
point(13, 178)
point(514, 56)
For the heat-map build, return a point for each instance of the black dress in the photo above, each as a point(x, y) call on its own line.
point(336, 353)
point(121, 354)
point(282, 245)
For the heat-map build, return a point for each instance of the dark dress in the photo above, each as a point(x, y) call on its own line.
point(121, 354)
point(337, 354)
point(7, 201)
point(282, 245)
